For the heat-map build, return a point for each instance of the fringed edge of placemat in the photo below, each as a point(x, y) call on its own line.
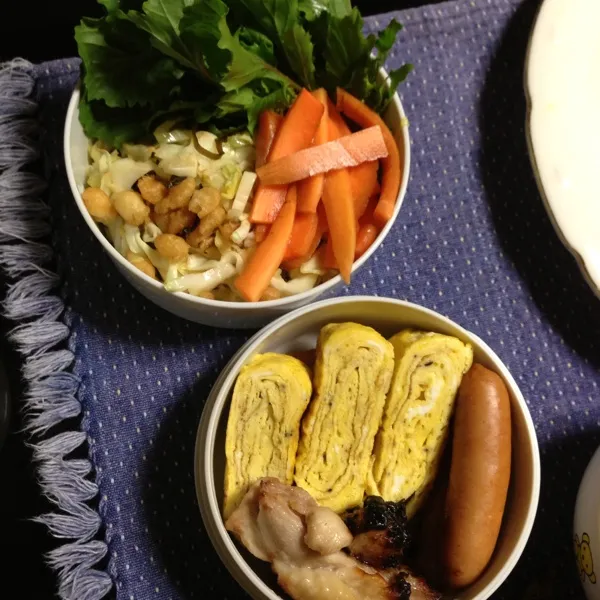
point(31, 301)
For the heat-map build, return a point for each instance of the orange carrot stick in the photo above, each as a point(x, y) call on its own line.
point(294, 263)
point(262, 265)
point(268, 124)
point(260, 233)
point(337, 119)
point(365, 236)
point(303, 234)
point(347, 151)
point(363, 180)
point(391, 168)
point(339, 208)
point(326, 256)
point(310, 190)
point(295, 133)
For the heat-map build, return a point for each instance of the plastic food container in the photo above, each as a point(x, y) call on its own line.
point(299, 331)
point(202, 310)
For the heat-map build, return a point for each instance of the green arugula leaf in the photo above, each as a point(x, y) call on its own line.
point(312, 9)
point(161, 19)
point(274, 17)
point(221, 62)
point(114, 126)
point(119, 65)
point(205, 32)
point(299, 52)
point(256, 42)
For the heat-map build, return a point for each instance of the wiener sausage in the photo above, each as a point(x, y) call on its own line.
point(479, 475)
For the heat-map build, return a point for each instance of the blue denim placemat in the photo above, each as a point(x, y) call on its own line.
point(472, 241)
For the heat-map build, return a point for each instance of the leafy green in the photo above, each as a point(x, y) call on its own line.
point(221, 62)
point(257, 42)
point(120, 67)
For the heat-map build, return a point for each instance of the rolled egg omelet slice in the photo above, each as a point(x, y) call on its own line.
point(353, 371)
point(409, 445)
point(270, 396)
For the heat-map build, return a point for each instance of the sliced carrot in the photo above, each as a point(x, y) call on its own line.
point(338, 120)
point(347, 151)
point(260, 233)
point(268, 124)
point(296, 132)
point(363, 180)
point(326, 256)
point(365, 236)
point(311, 189)
point(303, 234)
point(262, 265)
point(339, 208)
point(295, 263)
point(391, 168)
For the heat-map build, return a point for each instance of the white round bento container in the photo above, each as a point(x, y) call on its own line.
point(202, 310)
point(586, 535)
point(299, 331)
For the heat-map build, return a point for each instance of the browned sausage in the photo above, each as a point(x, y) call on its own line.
point(479, 475)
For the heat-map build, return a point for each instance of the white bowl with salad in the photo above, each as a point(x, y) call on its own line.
point(233, 206)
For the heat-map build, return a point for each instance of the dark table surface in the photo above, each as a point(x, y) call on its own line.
point(39, 31)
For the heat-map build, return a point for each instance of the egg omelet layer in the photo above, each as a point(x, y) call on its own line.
point(428, 370)
point(353, 371)
point(270, 396)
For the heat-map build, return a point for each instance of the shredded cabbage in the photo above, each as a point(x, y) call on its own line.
point(226, 165)
point(242, 195)
point(312, 266)
point(240, 234)
point(151, 231)
point(293, 286)
point(124, 172)
point(214, 273)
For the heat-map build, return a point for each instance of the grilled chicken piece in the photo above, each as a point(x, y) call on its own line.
point(381, 532)
point(285, 526)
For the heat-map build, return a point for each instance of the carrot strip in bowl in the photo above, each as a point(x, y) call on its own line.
point(347, 151)
point(366, 235)
point(310, 190)
point(360, 113)
point(339, 209)
point(295, 263)
point(262, 265)
point(303, 234)
point(268, 124)
point(363, 180)
point(296, 132)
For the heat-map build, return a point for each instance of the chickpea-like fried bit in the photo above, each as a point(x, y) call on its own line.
point(171, 246)
point(212, 221)
point(99, 205)
point(202, 245)
point(271, 294)
point(131, 207)
point(142, 263)
point(176, 221)
point(207, 226)
point(177, 197)
point(227, 229)
point(204, 201)
point(151, 189)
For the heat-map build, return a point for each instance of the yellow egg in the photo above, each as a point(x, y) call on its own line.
point(270, 395)
point(353, 371)
point(428, 370)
